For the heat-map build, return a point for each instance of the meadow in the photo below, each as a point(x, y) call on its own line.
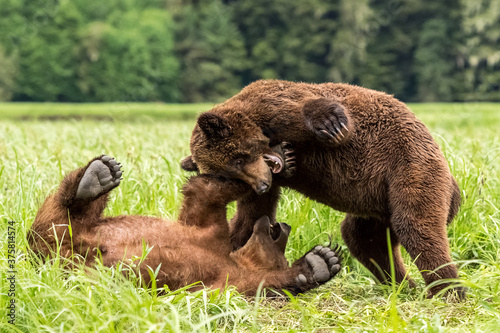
point(40, 143)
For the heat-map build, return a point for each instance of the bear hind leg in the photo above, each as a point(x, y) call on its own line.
point(427, 243)
point(80, 199)
point(84, 191)
point(366, 239)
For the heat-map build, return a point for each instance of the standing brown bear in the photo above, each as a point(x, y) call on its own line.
point(359, 151)
point(196, 249)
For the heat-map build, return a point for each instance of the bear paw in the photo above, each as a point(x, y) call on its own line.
point(283, 162)
point(289, 156)
point(327, 120)
point(101, 176)
point(323, 264)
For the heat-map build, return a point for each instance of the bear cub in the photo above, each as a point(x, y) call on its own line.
point(197, 248)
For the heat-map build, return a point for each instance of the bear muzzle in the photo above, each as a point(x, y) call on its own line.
point(262, 188)
point(256, 174)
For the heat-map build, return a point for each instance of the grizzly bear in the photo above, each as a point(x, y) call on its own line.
point(198, 248)
point(359, 151)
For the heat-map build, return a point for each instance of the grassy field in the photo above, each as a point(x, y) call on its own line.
point(39, 143)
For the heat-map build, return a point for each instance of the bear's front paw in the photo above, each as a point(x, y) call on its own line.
point(322, 264)
point(290, 159)
point(283, 160)
point(327, 120)
point(100, 177)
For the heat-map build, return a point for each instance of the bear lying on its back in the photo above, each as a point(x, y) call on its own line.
point(359, 151)
point(195, 249)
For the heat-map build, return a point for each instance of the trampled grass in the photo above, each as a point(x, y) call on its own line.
point(150, 140)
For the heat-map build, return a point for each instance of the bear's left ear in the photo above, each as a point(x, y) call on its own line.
point(188, 164)
point(213, 125)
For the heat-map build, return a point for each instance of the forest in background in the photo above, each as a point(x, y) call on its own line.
point(198, 51)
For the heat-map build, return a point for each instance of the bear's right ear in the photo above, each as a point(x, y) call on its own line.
point(213, 125)
point(188, 164)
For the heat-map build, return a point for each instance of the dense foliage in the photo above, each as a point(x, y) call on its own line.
point(189, 50)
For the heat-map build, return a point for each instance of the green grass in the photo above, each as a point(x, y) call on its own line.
point(130, 112)
point(150, 140)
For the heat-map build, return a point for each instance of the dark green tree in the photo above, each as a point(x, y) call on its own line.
point(210, 49)
point(8, 73)
point(435, 65)
point(287, 39)
point(129, 58)
point(192, 50)
point(43, 36)
point(481, 50)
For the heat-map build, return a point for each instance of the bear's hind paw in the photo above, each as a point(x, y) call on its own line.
point(101, 176)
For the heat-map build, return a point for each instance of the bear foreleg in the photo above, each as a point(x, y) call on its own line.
point(249, 210)
point(315, 268)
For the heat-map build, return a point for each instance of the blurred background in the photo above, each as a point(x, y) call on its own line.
point(205, 51)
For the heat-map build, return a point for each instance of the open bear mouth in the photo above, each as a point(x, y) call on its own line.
point(274, 162)
point(275, 231)
point(279, 233)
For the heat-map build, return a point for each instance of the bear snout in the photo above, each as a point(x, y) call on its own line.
point(262, 188)
point(256, 174)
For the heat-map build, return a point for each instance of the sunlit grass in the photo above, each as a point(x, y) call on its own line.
point(36, 154)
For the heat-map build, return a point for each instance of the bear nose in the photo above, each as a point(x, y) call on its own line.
point(263, 187)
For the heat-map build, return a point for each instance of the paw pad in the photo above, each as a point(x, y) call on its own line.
point(101, 176)
point(324, 264)
point(301, 279)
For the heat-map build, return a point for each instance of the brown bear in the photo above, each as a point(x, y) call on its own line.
point(358, 151)
point(198, 248)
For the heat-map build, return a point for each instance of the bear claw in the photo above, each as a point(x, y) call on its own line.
point(101, 176)
point(290, 158)
point(330, 126)
point(333, 132)
point(285, 152)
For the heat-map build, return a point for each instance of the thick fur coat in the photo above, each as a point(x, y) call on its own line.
point(196, 249)
point(359, 151)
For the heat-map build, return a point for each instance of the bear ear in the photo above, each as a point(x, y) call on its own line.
point(213, 125)
point(188, 164)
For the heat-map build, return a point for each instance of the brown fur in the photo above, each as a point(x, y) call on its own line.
point(384, 170)
point(196, 249)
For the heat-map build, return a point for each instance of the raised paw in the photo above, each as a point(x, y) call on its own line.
point(327, 119)
point(283, 160)
point(100, 177)
point(323, 264)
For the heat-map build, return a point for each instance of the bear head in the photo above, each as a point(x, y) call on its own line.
point(265, 250)
point(232, 146)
